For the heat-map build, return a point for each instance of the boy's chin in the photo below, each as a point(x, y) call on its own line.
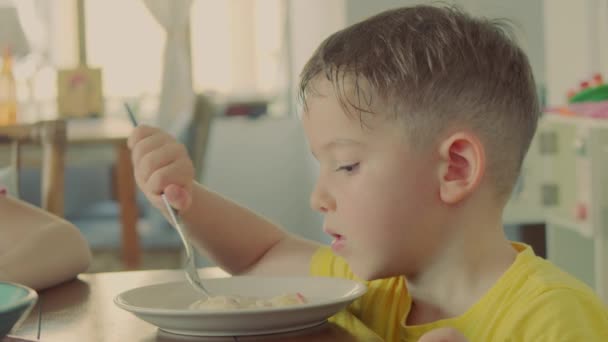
point(368, 272)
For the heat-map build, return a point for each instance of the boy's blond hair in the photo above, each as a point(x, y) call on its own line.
point(435, 68)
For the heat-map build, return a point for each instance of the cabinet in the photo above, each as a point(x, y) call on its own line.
point(565, 183)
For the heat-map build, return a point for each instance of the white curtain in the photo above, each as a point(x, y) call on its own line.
point(34, 16)
point(36, 19)
point(177, 95)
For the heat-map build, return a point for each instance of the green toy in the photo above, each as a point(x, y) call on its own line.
point(591, 94)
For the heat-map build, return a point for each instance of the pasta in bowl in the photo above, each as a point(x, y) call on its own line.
point(241, 302)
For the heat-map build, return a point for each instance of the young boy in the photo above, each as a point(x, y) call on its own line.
point(420, 118)
point(38, 249)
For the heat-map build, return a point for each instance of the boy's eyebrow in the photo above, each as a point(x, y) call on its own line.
point(337, 143)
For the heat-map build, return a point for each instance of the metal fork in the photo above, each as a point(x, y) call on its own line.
point(190, 267)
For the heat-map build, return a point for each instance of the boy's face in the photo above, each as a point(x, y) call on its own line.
point(379, 196)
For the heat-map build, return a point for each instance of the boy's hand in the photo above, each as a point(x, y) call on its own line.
point(443, 335)
point(161, 164)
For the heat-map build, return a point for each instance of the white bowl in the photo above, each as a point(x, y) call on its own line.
point(167, 305)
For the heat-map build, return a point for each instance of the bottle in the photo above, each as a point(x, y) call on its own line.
point(8, 91)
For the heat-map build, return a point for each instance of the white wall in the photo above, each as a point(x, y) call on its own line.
point(576, 44)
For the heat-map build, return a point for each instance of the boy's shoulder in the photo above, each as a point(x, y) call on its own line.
point(540, 275)
point(542, 301)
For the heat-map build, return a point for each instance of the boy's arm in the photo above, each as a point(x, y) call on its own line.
point(240, 241)
point(234, 237)
point(38, 249)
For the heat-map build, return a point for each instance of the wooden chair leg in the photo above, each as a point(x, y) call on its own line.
point(53, 167)
point(126, 191)
point(15, 165)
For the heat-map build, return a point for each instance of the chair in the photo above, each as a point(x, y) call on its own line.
point(51, 136)
point(197, 136)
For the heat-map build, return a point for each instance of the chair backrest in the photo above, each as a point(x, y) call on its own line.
point(198, 133)
point(51, 136)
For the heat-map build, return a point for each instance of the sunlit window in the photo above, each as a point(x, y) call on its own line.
point(125, 41)
point(237, 49)
point(237, 46)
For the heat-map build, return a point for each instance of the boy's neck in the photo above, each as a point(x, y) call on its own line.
point(468, 266)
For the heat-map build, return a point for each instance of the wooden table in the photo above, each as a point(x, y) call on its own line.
point(83, 310)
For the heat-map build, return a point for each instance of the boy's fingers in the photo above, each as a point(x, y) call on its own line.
point(139, 133)
point(162, 165)
point(160, 179)
point(178, 197)
point(147, 145)
point(154, 162)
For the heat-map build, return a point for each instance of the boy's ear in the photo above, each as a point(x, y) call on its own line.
point(462, 165)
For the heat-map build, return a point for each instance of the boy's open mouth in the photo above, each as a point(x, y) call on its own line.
point(338, 243)
point(339, 240)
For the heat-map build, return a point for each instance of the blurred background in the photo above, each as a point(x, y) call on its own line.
point(221, 76)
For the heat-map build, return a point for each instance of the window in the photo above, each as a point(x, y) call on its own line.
point(238, 48)
point(250, 35)
point(124, 40)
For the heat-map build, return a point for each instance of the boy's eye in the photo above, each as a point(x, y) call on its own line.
point(348, 168)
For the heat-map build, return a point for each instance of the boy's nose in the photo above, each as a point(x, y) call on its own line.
point(321, 200)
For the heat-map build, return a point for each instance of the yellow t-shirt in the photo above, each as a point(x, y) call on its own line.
point(532, 301)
